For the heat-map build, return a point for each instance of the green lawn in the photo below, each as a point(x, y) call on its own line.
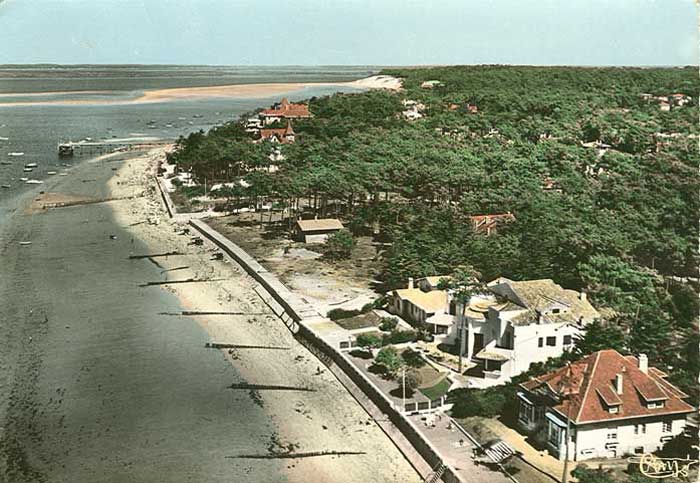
point(437, 390)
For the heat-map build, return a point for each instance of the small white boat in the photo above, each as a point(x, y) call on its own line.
point(51, 172)
point(24, 179)
point(25, 243)
point(4, 139)
point(28, 170)
point(31, 165)
point(5, 186)
point(15, 154)
point(63, 174)
point(34, 181)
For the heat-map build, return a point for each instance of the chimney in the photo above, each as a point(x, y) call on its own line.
point(618, 383)
point(643, 363)
point(410, 282)
point(582, 296)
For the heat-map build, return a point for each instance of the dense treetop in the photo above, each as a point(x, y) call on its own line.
point(617, 219)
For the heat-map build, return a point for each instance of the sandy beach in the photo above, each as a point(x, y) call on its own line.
point(240, 91)
point(326, 419)
point(104, 380)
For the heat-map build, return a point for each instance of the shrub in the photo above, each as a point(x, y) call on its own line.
point(389, 358)
point(388, 323)
point(487, 403)
point(339, 245)
point(337, 314)
point(399, 337)
point(412, 358)
point(369, 340)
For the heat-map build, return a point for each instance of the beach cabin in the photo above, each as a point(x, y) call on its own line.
point(316, 231)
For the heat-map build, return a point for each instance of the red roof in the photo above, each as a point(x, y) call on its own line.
point(487, 223)
point(280, 133)
point(588, 388)
point(288, 110)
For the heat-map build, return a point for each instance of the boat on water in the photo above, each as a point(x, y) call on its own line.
point(28, 170)
point(4, 139)
point(5, 186)
point(24, 179)
point(51, 172)
point(31, 165)
point(65, 150)
point(63, 174)
point(15, 154)
point(34, 181)
point(25, 243)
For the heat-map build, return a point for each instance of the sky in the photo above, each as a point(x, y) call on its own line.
point(350, 32)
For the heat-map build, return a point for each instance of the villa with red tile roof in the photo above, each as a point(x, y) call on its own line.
point(285, 110)
point(615, 405)
point(281, 135)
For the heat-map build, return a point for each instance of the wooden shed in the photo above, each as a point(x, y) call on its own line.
point(317, 230)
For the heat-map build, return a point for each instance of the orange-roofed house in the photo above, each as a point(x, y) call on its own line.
point(285, 110)
point(615, 405)
point(282, 135)
point(488, 224)
point(423, 303)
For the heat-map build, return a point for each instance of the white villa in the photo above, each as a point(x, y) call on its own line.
point(616, 405)
point(507, 328)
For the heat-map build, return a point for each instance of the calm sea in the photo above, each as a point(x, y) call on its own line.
point(35, 129)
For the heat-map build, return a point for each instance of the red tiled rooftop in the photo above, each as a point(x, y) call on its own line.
point(592, 389)
point(288, 110)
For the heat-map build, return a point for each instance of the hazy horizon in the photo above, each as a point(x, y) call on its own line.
point(583, 33)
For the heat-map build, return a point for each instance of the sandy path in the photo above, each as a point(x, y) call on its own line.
point(326, 418)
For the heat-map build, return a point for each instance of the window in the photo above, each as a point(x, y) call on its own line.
point(587, 451)
point(554, 435)
point(555, 311)
point(654, 405)
point(540, 342)
point(567, 340)
point(526, 413)
point(666, 427)
point(613, 409)
point(640, 429)
point(551, 341)
point(612, 434)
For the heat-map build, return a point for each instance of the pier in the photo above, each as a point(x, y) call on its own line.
point(67, 149)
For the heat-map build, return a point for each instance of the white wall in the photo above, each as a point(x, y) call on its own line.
point(526, 344)
point(595, 437)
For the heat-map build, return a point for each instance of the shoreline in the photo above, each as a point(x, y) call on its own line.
point(326, 419)
point(241, 91)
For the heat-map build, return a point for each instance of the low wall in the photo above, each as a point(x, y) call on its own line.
point(292, 304)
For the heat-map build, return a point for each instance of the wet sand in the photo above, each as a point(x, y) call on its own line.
point(241, 91)
point(98, 384)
